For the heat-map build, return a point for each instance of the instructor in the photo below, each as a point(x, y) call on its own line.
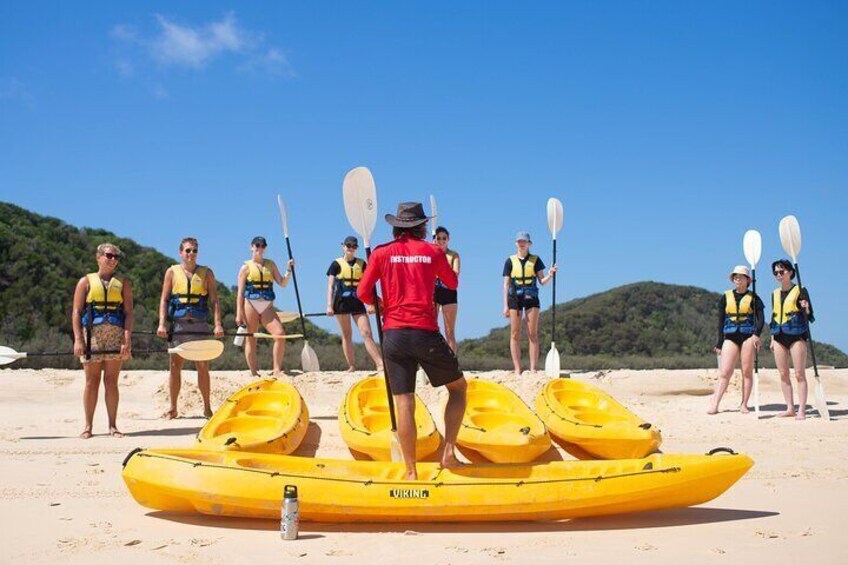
point(407, 269)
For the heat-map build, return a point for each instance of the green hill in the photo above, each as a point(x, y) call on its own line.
point(41, 260)
point(640, 325)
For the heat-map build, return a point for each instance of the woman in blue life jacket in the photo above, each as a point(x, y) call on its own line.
point(255, 303)
point(789, 328)
point(521, 273)
point(740, 323)
point(343, 278)
point(103, 321)
point(446, 299)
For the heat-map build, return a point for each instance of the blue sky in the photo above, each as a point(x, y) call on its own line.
point(667, 129)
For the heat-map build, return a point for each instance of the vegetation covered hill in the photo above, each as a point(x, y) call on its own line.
point(639, 325)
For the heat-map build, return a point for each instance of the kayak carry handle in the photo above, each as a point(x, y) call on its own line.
point(721, 450)
point(130, 456)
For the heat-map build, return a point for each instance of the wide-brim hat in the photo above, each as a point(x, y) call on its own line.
point(740, 270)
point(409, 215)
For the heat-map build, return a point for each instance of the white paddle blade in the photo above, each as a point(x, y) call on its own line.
point(360, 201)
point(752, 245)
point(283, 216)
point(199, 350)
point(434, 213)
point(821, 401)
point(272, 336)
point(790, 236)
point(552, 365)
point(286, 317)
point(555, 216)
point(9, 355)
point(308, 359)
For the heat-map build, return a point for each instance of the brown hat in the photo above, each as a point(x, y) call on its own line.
point(409, 215)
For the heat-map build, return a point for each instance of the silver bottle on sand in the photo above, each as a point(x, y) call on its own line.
point(289, 513)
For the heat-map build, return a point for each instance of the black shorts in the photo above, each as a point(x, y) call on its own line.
point(515, 303)
point(737, 338)
point(348, 306)
point(787, 340)
point(404, 349)
point(444, 296)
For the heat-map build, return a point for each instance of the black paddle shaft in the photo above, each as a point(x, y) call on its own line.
point(389, 396)
point(296, 292)
point(553, 311)
point(756, 351)
point(809, 331)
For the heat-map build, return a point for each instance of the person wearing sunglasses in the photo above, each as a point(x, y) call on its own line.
point(521, 272)
point(255, 303)
point(445, 298)
point(789, 328)
point(343, 278)
point(103, 321)
point(741, 318)
point(188, 292)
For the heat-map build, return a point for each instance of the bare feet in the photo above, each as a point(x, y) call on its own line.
point(449, 461)
point(351, 369)
point(745, 410)
point(207, 412)
point(86, 434)
point(713, 410)
point(114, 432)
point(169, 414)
point(787, 414)
point(411, 475)
point(801, 416)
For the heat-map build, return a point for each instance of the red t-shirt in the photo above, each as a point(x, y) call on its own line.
point(407, 269)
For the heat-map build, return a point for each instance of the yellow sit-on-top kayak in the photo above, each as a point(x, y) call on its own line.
point(366, 426)
point(583, 415)
point(266, 416)
point(500, 426)
point(250, 485)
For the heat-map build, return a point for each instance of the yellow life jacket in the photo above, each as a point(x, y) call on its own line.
point(104, 304)
point(348, 278)
point(524, 277)
point(738, 317)
point(260, 281)
point(188, 293)
point(786, 317)
point(452, 256)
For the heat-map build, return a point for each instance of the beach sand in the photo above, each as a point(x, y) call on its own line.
point(63, 498)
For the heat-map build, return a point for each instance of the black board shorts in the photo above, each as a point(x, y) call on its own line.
point(787, 340)
point(515, 303)
point(738, 338)
point(444, 296)
point(405, 349)
point(352, 306)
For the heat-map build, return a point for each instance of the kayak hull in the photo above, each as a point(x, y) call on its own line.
point(249, 485)
point(584, 416)
point(365, 424)
point(498, 425)
point(266, 416)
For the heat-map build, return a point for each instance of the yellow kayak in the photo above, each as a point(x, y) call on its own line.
point(266, 416)
point(583, 415)
point(366, 427)
point(500, 426)
point(250, 485)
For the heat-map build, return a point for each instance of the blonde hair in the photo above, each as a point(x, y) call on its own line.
point(101, 249)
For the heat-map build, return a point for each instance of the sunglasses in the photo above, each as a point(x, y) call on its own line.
point(114, 256)
point(259, 245)
point(189, 250)
point(779, 272)
point(352, 246)
point(441, 239)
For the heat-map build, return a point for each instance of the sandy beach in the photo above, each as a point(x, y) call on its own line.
point(63, 497)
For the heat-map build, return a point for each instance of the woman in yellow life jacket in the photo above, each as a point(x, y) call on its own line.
point(740, 322)
point(188, 293)
point(255, 303)
point(789, 328)
point(343, 278)
point(103, 321)
point(445, 298)
point(521, 273)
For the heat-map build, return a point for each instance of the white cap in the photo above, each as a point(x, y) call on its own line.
point(740, 270)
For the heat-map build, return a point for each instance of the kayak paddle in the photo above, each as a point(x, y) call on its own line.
point(360, 202)
point(433, 215)
point(308, 358)
point(552, 361)
point(286, 317)
point(790, 239)
point(259, 335)
point(752, 245)
point(201, 350)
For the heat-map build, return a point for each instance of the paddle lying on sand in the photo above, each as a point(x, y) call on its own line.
point(790, 239)
point(286, 317)
point(308, 358)
point(201, 350)
point(360, 202)
point(259, 335)
point(752, 245)
point(555, 217)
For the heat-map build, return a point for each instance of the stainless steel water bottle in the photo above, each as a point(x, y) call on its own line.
point(238, 341)
point(289, 513)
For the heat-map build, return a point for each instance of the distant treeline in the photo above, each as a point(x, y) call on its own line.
point(642, 325)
